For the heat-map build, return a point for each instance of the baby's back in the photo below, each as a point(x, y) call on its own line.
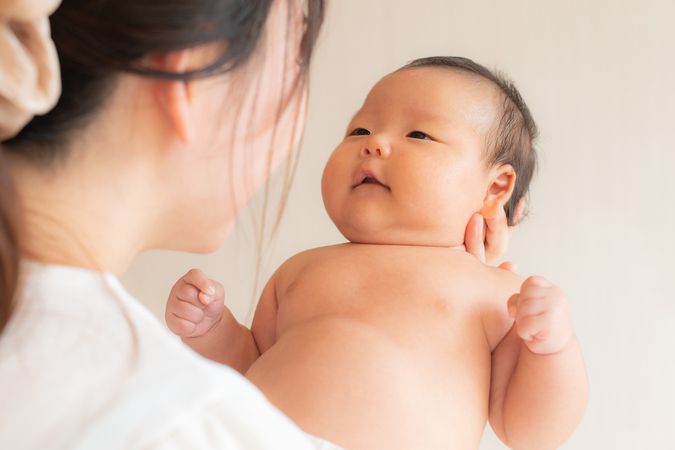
point(386, 346)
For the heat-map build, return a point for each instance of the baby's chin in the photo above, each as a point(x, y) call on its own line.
point(400, 237)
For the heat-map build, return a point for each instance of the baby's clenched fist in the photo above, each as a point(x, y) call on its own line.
point(195, 305)
point(541, 315)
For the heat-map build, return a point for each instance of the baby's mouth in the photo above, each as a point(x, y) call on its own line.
point(369, 178)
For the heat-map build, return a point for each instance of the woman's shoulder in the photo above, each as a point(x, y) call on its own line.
point(205, 429)
point(225, 411)
point(95, 369)
point(201, 405)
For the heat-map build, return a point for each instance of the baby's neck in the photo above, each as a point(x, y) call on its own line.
point(460, 248)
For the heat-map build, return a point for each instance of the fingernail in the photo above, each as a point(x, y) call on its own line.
point(211, 291)
point(205, 298)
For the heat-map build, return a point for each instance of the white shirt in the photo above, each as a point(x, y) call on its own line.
point(83, 365)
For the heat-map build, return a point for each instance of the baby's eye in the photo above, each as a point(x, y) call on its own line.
point(419, 135)
point(359, 132)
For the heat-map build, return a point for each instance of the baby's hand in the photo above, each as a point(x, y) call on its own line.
point(195, 305)
point(541, 316)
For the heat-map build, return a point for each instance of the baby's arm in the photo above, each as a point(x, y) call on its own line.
point(196, 312)
point(539, 387)
point(264, 326)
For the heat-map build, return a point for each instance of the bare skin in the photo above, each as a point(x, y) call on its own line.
point(349, 349)
point(416, 364)
point(400, 339)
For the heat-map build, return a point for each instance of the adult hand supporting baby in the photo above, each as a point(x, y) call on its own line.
point(488, 238)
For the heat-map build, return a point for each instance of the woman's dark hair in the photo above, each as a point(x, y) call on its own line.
point(97, 40)
point(512, 139)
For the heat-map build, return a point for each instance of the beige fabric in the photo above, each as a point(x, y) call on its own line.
point(30, 80)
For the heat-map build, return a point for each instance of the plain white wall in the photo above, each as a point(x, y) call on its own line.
point(598, 76)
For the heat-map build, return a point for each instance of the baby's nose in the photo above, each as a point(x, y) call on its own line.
point(376, 147)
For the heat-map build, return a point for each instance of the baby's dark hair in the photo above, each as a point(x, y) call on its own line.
point(512, 139)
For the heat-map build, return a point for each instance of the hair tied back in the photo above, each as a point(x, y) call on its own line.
point(30, 81)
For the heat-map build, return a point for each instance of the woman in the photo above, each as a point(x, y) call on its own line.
point(173, 113)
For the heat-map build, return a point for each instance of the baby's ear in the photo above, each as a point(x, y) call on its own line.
point(501, 182)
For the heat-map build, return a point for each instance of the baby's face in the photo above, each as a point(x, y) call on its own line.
point(411, 169)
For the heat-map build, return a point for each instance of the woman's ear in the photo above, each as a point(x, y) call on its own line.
point(174, 97)
point(501, 182)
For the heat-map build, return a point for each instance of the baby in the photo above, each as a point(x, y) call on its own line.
point(400, 339)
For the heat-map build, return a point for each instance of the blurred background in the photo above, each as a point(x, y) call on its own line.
point(598, 76)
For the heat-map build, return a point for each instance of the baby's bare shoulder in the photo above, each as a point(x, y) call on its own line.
point(504, 281)
point(296, 263)
point(502, 284)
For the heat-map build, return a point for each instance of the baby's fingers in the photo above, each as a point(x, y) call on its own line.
point(528, 306)
point(535, 282)
point(184, 318)
point(214, 292)
point(531, 328)
point(216, 304)
point(512, 305)
point(184, 292)
point(186, 311)
point(207, 288)
point(179, 326)
point(544, 334)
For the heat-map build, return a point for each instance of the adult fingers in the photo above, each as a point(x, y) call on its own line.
point(509, 265)
point(474, 237)
point(497, 235)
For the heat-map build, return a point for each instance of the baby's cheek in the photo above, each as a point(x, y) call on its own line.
point(426, 198)
point(471, 186)
point(433, 186)
point(334, 176)
point(446, 199)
